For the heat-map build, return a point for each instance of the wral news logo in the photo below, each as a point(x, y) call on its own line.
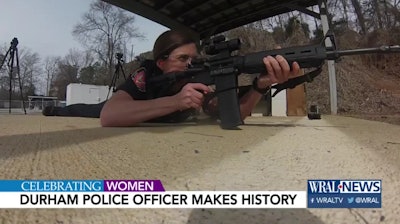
point(344, 193)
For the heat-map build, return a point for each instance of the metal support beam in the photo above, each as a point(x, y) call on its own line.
point(331, 64)
point(303, 10)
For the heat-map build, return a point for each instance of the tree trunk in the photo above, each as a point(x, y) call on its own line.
point(378, 14)
point(345, 12)
point(360, 16)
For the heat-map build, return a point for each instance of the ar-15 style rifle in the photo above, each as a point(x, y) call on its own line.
point(223, 69)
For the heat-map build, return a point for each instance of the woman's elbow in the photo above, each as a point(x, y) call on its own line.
point(105, 119)
point(110, 118)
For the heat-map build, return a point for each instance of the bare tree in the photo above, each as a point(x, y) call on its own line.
point(67, 70)
point(51, 69)
point(360, 16)
point(30, 71)
point(378, 13)
point(78, 58)
point(345, 6)
point(105, 30)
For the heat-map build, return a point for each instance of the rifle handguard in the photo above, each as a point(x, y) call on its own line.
point(262, 91)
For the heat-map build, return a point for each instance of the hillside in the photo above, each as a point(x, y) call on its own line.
point(368, 86)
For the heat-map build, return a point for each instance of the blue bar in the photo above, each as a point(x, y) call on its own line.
point(344, 201)
point(51, 186)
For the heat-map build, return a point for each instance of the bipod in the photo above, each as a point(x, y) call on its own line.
point(13, 57)
point(118, 69)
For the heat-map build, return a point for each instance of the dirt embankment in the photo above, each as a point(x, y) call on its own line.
point(368, 86)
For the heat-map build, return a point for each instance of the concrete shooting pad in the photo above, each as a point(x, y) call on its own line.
point(267, 154)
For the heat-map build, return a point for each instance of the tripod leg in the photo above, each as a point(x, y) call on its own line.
point(123, 72)
point(115, 78)
point(19, 80)
point(113, 81)
point(11, 78)
point(1, 66)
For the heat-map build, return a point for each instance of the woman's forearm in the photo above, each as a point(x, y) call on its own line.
point(123, 111)
point(248, 102)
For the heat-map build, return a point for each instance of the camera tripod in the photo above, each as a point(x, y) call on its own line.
point(118, 68)
point(13, 57)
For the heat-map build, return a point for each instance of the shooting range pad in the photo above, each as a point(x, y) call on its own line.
point(269, 153)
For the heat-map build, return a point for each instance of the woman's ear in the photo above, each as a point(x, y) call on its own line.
point(160, 63)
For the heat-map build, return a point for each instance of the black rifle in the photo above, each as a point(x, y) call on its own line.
point(223, 69)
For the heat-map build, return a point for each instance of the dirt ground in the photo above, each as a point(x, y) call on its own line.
point(269, 153)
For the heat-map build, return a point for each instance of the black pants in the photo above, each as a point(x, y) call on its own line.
point(93, 110)
point(80, 110)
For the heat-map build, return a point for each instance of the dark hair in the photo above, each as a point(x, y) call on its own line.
point(169, 41)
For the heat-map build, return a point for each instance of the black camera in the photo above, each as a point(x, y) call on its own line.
point(14, 43)
point(119, 56)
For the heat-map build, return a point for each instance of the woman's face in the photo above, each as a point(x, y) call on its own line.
point(178, 59)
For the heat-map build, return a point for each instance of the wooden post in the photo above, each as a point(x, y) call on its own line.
point(296, 100)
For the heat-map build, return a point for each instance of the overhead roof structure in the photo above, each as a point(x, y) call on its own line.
point(207, 17)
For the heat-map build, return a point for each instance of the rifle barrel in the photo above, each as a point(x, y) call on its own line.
point(382, 49)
